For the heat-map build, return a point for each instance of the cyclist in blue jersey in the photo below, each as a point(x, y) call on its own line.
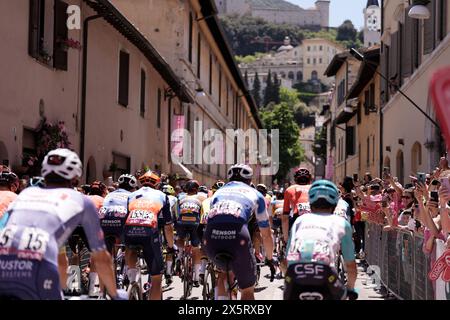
point(227, 239)
point(31, 265)
point(114, 211)
point(314, 243)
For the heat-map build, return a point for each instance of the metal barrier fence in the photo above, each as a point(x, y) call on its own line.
point(402, 265)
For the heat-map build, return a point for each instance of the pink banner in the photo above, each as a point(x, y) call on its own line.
point(177, 135)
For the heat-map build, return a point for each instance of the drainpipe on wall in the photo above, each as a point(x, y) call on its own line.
point(83, 86)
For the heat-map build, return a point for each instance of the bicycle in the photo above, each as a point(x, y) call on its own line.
point(136, 290)
point(187, 270)
point(209, 284)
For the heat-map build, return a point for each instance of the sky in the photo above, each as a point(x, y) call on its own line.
point(340, 10)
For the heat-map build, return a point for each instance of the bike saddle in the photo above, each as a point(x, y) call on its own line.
point(223, 257)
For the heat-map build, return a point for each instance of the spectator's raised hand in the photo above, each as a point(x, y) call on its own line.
point(444, 195)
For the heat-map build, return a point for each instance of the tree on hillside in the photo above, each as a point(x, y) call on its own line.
point(256, 90)
point(246, 78)
point(346, 32)
point(268, 92)
point(281, 117)
point(276, 89)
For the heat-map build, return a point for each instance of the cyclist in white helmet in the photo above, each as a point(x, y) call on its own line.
point(41, 221)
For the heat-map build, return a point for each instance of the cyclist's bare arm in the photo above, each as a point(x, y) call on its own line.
point(285, 226)
point(62, 268)
point(267, 237)
point(103, 262)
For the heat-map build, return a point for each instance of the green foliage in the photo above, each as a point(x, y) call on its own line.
point(246, 34)
point(257, 90)
point(281, 117)
point(320, 143)
point(346, 31)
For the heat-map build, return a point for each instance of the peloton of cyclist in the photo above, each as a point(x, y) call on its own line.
point(141, 231)
point(227, 239)
point(41, 220)
point(313, 246)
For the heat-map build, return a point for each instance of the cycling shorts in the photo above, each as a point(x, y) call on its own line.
point(37, 280)
point(192, 230)
point(151, 248)
point(312, 281)
point(235, 240)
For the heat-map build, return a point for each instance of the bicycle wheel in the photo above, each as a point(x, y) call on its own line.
point(209, 284)
point(187, 277)
point(134, 291)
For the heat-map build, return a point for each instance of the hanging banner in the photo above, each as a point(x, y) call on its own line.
point(177, 135)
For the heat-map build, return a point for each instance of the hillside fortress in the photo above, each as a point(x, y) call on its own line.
point(279, 11)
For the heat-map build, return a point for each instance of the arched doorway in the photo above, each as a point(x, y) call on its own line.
point(387, 162)
point(291, 75)
point(314, 75)
point(91, 171)
point(416, 157)
point(400, 167)
point(299, 76)
point(4, 159)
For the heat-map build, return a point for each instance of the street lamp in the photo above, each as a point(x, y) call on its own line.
point(419, 10)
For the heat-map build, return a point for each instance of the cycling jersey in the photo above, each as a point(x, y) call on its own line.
point(144, 206)
point(141, 226)
point(296, 200)
point(6, 198)
point(114, 212)
point(318, 238)
point(277, 208)
point(236, 201)
point(40, 222)
point(189, 210)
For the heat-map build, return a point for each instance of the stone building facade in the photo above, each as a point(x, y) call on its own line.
point(279, 11)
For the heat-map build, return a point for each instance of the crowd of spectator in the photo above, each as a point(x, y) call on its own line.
point(420, 206)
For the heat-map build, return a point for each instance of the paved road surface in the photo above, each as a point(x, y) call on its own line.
point(267, 290)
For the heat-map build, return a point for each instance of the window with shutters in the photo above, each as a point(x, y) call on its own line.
point(366, 102)
point(158, 110)
point(373, 149)
point(368, 152)
point(48, 32)
point(417, 43)
point(372, 105)
point(191, 35)
point(210, 74)
point(199, 54)
point(429, 30)
point(441, 20)
point(143, 89)
point(220, 87)
point(400, 53)
point(358, 113)
point(406, 58)
point(124, 75)
point(393, 64)
point(123, 165)
point(350, 141)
